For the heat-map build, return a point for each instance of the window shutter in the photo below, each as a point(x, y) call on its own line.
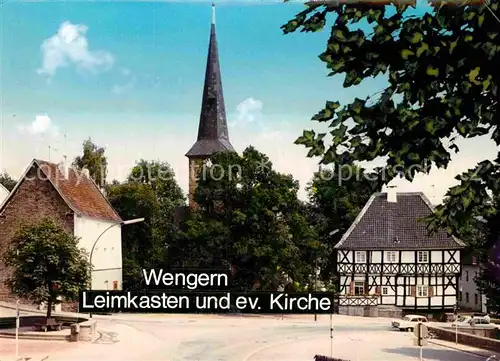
point(413, 291)
point(367, 288)
point(430, 291)
point(351, 289)
point(377, 290)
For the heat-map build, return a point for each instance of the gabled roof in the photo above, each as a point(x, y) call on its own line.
point(213, 136)
point(396, 226)
point(79, 191)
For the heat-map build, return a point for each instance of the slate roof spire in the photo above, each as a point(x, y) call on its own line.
point(213, 134)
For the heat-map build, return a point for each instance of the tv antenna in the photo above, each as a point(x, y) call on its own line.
point(50, 151)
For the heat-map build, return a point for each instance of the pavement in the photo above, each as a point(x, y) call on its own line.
point(158, 337)
point(212, 338)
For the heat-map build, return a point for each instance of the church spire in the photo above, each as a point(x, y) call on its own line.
point(213, 134)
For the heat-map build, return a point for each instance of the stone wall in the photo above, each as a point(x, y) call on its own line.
point(390, 313)
point(35, 199)
point(483, 332)
point(88, 331)
point(466, 339)
point(361, 311)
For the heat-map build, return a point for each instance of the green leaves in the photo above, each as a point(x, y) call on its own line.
point(45, 253)
point(443, 80)
point(250, 219)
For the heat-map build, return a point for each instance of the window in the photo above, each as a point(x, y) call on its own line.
point(460, 296)
point(390, 257)
point(360, 257)
point(474, 261)
point(476, 299)
point(359, 288)
point(422, 256)
point(385, 291)
point(422, 291)
point(466, 297)
point(466, 276)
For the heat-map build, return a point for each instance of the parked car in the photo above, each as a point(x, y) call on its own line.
point(474, 321)
point(408, 322)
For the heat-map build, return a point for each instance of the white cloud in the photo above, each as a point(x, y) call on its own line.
point(42, 125)
point(71, 47)
point(249, 110)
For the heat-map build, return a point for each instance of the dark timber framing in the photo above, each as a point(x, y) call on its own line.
point(391, 224)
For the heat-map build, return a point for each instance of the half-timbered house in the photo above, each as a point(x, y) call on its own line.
point(387, 257)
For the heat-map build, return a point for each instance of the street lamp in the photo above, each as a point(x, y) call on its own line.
point(316, 268)
point(122, 223)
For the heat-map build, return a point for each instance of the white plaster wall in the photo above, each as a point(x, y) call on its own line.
point(107, 255)
point(376, 257)
point(469, 286)
point(407, 256)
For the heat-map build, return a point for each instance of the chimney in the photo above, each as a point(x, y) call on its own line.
point(65, 167)
point(392, 196)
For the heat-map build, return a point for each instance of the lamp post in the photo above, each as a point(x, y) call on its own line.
point(122, 223)
point(316, 271)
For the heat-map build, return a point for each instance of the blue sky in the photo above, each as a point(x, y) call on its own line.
point(131, 78)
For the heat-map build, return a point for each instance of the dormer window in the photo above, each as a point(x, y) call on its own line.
point(360, 257)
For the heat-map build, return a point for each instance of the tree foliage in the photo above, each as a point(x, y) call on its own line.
point(248, 218)
point(94, 160)
point(336, 196)
point(7, 181)
point(150, 192)
point(47, 264)
point(443, 84)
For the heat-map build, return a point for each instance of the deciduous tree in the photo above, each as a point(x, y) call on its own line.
point(443, 84)
point(150, 192)
point(248, 218)
point(7, 181)
point(47, 264)
point(336, 196)
point(94, 160)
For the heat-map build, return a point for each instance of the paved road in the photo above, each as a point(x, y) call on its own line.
point(204, 338)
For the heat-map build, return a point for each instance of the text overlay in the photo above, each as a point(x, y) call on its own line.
point(156, 301)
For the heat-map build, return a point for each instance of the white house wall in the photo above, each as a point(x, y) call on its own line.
point(393, 277)
point(107, 255)
point(468, 288)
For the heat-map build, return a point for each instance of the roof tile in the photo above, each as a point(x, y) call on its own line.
point(387, 225)
point(79, 191)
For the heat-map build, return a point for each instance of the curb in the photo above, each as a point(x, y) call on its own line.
point(462, 350)
point(25, 336)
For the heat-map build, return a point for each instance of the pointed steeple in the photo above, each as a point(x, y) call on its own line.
point(213, 134)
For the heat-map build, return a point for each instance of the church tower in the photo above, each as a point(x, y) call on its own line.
point(213, 136)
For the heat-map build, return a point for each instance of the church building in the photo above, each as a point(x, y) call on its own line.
point(213, 136)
